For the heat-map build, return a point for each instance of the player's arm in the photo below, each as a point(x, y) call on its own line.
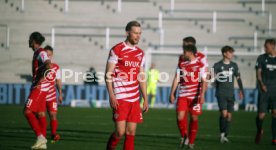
point(43, 57)
point(174, 87)
point(47, 64)
point(239, 81)
point(59, 85)
point(203, 87)
point(260, 80)
point(258, 67)
point(208, 75)
point(110, 66)
point(241, 92)
point(108, 80)
point(213, 76)
point(143, 87)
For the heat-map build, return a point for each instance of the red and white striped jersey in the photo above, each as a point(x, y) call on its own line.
point(128, 61)
point(56, 74)
point(200, 56)
point(38, 68)
point(191, 74)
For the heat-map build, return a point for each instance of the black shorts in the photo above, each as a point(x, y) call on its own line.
point(226, 103)
point(267, 100)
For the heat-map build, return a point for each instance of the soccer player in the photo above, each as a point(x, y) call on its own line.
point(225, 70)
point(51, 98)
point(191, 73)
point(35, 106)
point(189, 40)
point(153, 78)
point(266, 77)
point(124, 76)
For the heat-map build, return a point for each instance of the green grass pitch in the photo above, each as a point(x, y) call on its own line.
point(89, 129)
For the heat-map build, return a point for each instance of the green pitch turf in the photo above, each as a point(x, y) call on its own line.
point(89, 129)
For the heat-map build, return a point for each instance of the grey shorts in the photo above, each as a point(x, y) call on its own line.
point(226, 103)
point(267, 100)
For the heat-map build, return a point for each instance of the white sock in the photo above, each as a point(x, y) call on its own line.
point(41, 137)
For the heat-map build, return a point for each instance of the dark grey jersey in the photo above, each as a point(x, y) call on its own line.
point(225, 74)
point(268, 66)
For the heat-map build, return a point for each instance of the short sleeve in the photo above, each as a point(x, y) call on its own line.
point(113, 57)
point(203, 72)
point(143, 62)
point(236, 71)
point(204, 61)
point(259, 62)
point(43, 56)
point(215, 68)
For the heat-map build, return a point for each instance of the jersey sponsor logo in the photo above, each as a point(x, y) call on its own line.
point(132, 64)
point(271, 67)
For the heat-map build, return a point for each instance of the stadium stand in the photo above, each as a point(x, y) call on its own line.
point(80, 33)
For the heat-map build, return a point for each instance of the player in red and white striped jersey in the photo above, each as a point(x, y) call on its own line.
point(36, 106)
point(182, 116)
point(51, 98)
point(123, 80)
point(199, 55)
point(192, 75)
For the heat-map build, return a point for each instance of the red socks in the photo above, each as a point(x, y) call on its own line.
point(183, 126)
point(112, 142)
point(33, 121)
point(54, 124)
point(43, 125)
point(129, 142)
point(193, 131)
